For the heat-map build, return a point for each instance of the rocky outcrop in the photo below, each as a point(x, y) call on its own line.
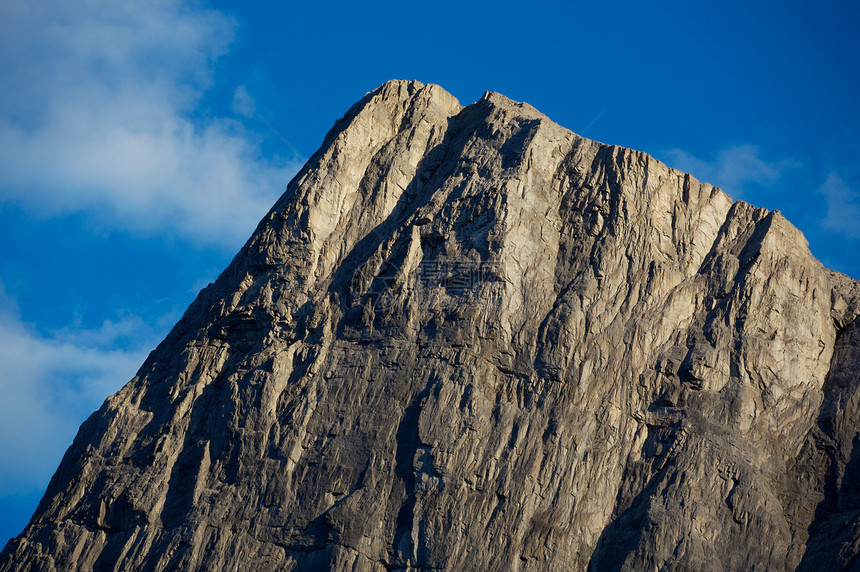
point(465, 339)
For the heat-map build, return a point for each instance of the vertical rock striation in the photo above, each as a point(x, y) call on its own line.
point(467, 338)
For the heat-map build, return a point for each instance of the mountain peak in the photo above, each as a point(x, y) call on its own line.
point(499, 100)
point(467, 338)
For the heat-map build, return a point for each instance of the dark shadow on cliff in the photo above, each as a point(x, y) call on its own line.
point(622, 536)
point(835, 532)
point(408, 442)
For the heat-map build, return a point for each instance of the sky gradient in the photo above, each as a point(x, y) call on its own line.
point(142, 142)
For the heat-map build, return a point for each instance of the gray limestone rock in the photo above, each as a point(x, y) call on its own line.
point(469, 339)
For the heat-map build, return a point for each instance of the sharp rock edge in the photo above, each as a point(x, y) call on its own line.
point(469, 339)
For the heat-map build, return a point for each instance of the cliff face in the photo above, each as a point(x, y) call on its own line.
point(467, 338)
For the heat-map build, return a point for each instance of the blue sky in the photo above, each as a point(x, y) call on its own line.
point(141, 143)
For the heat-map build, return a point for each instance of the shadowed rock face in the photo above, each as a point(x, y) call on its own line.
point(469, 339)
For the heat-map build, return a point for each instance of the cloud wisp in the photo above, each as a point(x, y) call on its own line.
point(843, 207)
point(734, 169)
point(51, 382)
point(102, 115)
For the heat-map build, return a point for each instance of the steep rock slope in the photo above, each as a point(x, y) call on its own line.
point(467, 338)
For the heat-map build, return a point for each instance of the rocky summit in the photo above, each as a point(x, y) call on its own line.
point(466, 338)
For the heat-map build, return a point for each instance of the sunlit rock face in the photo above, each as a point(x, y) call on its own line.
point(466, 338)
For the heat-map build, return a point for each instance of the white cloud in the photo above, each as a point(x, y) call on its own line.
point(243, 103)
point(99, 114)
point(843, 207)
point(51, 382)
point(733, 169)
